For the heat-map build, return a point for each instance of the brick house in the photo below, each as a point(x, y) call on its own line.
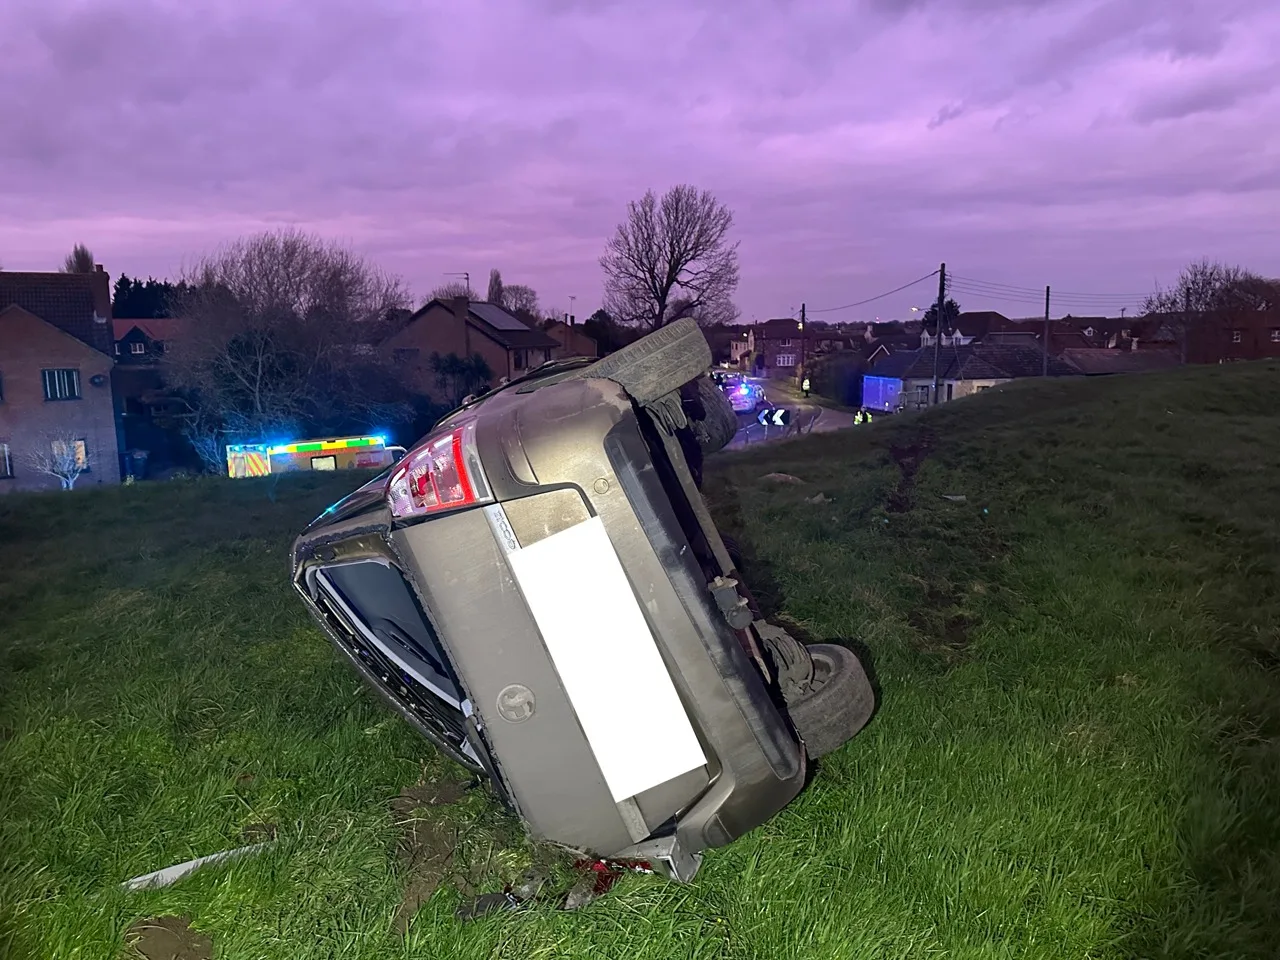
point(781, 347)
point(56, 362)
point(463, 328)
point(572, 340)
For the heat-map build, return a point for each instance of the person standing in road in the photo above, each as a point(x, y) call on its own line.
point(804, 385)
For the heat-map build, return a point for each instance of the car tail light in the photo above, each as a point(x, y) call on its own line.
point(443, 473)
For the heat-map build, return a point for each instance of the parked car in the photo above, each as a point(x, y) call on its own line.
point(744, 396)
point(538, 588)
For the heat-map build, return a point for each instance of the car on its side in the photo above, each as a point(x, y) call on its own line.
point(538, 588)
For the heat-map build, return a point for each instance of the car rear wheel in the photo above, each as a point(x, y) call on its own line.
point(837, 704)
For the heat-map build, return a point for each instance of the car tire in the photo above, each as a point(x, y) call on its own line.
point(658, 364)
point(837, 704)
point(711, 416)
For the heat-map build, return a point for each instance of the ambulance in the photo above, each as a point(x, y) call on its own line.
point(342, 453)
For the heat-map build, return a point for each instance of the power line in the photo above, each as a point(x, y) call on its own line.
point(1013, 288)
point(1028, 298)
point(880, 296)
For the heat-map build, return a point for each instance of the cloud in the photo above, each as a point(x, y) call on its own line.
point(440, 137)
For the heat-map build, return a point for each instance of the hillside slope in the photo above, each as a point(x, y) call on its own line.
point(1074, 754)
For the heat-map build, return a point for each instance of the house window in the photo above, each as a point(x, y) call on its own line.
point(137, 347)
point(1275, 338)
point(405, 355)
point(1236, 336)
point(784, 342)
point(61, 384)
point(6, 461)
point(785, 360)
point(518, 359)
point(69, 452)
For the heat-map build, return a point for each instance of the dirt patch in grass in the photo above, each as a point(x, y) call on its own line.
point(258, 832)
point(908, 457)
point(427, 845)
point(168, 938)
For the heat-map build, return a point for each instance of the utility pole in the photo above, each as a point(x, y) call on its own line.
point(1186, 322)
point(1045, 372)
point(802, 336)
point(937, 328)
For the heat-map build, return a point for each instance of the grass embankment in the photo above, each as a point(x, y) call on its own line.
point(1075, 754)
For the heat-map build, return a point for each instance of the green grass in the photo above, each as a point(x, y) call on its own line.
point(1075, 754)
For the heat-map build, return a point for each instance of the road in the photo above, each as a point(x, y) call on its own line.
point(807, 416)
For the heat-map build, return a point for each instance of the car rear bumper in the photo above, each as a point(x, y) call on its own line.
point(547, 707)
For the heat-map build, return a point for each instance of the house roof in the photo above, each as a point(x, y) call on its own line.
point(497, 324)
point(68, 301)
point(161, 329)
point(779, 328)
point(1094, 361)
point(975, 361)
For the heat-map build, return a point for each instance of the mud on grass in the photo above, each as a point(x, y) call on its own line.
point(447, 838)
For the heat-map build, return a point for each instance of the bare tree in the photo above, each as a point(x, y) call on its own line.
point(1207, 294)
point(278, 336)
point(671, 254)
point(522, 301)
point(496, 291)
point(452, 289)
point(63, 456)
point(79, 260)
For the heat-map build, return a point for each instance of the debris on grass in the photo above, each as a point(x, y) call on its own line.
point(818, 497)
point(171, 875)
point(781, 478)
point(168, 938)
point(955, 497)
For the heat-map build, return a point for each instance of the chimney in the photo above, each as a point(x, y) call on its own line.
point(100, 286)
point(461, 309)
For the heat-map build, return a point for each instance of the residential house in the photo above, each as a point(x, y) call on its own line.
point(1104, 361)
point(572, 339)
point(905, 380)
point(465, 328)
point(781, 347)
point(147, 408)
point(885, 339)
point(1208, 338)
point(742, 348)
point(56, 360)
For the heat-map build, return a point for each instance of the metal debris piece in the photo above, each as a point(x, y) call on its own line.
point(781, 478)
point(171, 875)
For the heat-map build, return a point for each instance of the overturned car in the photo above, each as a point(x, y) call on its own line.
point(538, 588)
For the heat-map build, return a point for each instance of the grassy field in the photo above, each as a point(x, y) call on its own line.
point(1075, 754)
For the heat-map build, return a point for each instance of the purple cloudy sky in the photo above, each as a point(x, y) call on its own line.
point(1095, 145)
